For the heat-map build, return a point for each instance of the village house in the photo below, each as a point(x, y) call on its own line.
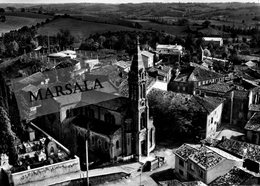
point(148, 59)
point(123, 65)
point(254, 101)
point(188, 80)
point(170, 54)
point(161, 73)
point(206, 111)
point(252, 129)
point(217, 41)
point(250, 153)
point(235, 176)
point(204, 163)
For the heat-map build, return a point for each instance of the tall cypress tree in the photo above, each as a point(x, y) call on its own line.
point(7, 137)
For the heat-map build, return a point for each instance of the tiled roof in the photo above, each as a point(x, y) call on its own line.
point(254, 123)
point(197, 74)
point(95, 125)
point(235, 176)
point(241, 149)
point(123, 64)
point(115, 76)
point(161, 70)
point(206, 157)
point(256, 89)
point(208, 103)
point(254, 107)
point(217, 87)
point(191, 103)
point(201, 155)
point(186, 150)
point(117, 104)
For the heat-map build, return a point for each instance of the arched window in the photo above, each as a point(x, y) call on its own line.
point(143, 121)
point(117, 144)
point(144, 91)
point(99, 143)
point(106, 145)
point(151, 137)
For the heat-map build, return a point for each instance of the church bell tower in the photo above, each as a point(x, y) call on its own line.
point(137, 81)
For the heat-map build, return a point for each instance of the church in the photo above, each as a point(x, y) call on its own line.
point(117, 127)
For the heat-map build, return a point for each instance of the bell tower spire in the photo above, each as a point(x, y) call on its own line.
point(137, 80)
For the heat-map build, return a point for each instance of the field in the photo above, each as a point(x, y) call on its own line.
point(171, 29)
point(15, 22)
point(80, 29)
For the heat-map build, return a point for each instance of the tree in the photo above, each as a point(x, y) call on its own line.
point(101, 40)
point(206, 23)
point(22, 9)
point(2, 18)
point(2, 48)
point(2, 10)
point(65, 39)
point(13, 47)
point(7, 137)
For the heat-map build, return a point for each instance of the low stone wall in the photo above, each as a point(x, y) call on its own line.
point(45, 172)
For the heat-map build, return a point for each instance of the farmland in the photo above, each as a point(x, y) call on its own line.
point(78, 28)
point(15, 22)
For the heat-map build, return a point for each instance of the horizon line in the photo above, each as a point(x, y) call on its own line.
point(145, 2)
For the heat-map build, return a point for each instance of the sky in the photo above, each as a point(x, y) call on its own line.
point(118, 1)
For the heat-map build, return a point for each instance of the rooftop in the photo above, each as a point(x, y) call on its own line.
point(116, 104)
point(235, 176)
point(212, 38)
point(189, 103)
point(206, 157)
point(147, 53)
point(217, 87)
point(186, 150)
point(123, 64)
point(254, 123)
point(169, 47)
point(200, 154)
point(241, 149)
point(96, 125)
point(197, 74)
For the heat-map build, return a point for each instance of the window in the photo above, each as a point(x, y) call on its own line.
point(183, 88)
point(201, 173)
point(192, 167)
point(143, 120)
point(93, 140)
point(211, 120)
point(106, 146)
point(151, 137)
point(181, 172)
point(68, 113)
point(181, 162)
point(199, 83)
point(117, 144)
point(99, 143)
